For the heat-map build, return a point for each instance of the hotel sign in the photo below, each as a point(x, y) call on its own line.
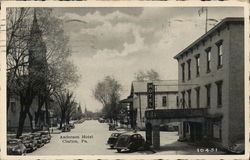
point(151, 95)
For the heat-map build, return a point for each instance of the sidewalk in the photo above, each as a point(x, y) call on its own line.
point(55, 130)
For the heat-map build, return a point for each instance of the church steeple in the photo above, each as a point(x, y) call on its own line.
point(37, 53)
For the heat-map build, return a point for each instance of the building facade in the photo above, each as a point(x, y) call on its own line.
point(211, 77)
point(165, 96)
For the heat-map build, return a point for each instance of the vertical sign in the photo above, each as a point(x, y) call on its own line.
point(151, 95)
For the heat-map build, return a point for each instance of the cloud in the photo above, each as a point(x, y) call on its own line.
point(119, 44)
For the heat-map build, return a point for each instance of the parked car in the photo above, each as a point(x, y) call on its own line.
point(112, 127)
point(66, 128)
point(101, 120)
point(237, 148)
point(130, 141)
point(37, 136)
point(15, 147)
point(113, 139)
point(71, 125)
point(45, 136)
point(29, 142)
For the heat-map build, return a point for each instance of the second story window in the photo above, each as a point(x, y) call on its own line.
point(208, 59)
point(189, 98)
point(197, 97)
point(197, 58)
point(220, 54)
point(164, 101)
point(177, 101)
point(183, 103)
point(183, 71)
point(208, 87)
point(189, 69)
point(219, 93)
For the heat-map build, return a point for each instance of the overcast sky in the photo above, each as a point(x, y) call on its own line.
point(122, 41)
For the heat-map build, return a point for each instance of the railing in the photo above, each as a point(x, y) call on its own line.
point(175, 113)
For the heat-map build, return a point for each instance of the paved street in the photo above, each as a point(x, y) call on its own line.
point(90, 137)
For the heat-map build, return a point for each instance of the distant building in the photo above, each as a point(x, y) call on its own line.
point(211, 77)
point(166, 92)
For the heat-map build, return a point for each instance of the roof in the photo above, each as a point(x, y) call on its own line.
point(212, 30)
point(161, 86)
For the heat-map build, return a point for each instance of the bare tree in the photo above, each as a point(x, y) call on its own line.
point(29, 76)
point(67, 105)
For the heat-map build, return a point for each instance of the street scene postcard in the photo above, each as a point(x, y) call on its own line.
point(124, 80)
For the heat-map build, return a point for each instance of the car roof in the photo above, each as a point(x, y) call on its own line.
point(130, 133)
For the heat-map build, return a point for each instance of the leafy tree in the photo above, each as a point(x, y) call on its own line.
point(108, 92)
point(149, 75)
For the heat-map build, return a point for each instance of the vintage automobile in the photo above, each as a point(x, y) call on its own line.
point(29, 142)
point(15, 147)
point(45, 135)
point(66, 128)
point(130, 141)
point(237, 148)
point(37, 136)
point(71, 125)
point(112, 139)
point(112, 127)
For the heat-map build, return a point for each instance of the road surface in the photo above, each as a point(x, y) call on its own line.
point(90, 137)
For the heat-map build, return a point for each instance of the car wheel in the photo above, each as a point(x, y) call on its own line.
point(24, 153)
point(119, 150)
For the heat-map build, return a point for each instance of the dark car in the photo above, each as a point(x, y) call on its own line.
point(66, 128)
point(15, 147)
point(112, 139)
point(71, 125)
point(45, 135)
point(237, 148)
point(112, 127)
point(130, 141)
point(29, 142)
point(38, 138)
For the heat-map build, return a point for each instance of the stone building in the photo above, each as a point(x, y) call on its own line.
point(211, 78)
point(210, 89)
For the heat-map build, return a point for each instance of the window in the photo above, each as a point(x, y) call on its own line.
point(197, 97)
point(183, 71)
point(164, 101)
point(13, 106)
point(177, 101)
point(208, 50)
point(189, 98)
point(197, 58)
point(219, 93)
point(208, 87)
point(220, 54)
point(189, 69)
point(183, 99)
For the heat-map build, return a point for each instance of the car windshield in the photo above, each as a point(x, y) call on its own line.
point(124, 137)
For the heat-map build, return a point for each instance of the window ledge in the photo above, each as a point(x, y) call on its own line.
point(219, 67)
